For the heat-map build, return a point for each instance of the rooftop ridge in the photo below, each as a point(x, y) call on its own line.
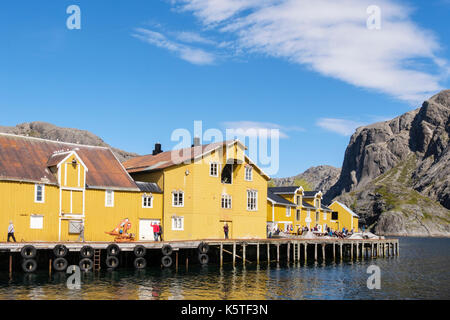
point(53, 141)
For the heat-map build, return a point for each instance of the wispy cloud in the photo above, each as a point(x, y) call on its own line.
point(341, 126)
point(331, 38)
point(254, 128)
point(189, 53)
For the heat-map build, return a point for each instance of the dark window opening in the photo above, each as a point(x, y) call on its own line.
point(227, 174)
point(334, 215)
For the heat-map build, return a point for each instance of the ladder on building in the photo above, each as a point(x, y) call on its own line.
point(97, 259)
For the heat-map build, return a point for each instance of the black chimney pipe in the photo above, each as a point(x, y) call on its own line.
point(157, 149)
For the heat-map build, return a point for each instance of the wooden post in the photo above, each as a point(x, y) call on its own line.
point(234, 254)
point(288, 251)
point(278, 252)
point(187, 263)
point(351, 250)
point(340, 251)
point(334, 251)
point(176, 261)
point(398, 248)
point(323, 252)
point(268, 252)
point(315, 252)
point(298, 251)
point(50, 267)
point(305, 247)
point(371, 252)
point(10, 265)
point(221, 254)
point(257, 253)
point(243, 253)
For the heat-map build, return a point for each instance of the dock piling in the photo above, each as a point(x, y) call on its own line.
point(234, 254)
point(221, 254)
point(257, 254)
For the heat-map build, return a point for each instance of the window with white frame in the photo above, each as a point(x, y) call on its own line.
point(288, 211)
point(248, 173)
point(298, 214)
point(252, 200)
point(39, 193)
point(214, 169)
point(36, 221)
point(109, 198)
point(177, 199)
point(177, 223)
point(298, 200)
point(147, 201)
point(308, 214)
point(325, 216)
point(317, 216)
point(226, 201)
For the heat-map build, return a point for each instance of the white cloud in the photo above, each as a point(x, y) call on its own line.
point(191, 54)
point(193, 37)
point(341, 126)
point(331, 37)
point(260, 129)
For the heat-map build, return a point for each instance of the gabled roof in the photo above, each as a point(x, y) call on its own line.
point(284, 190)
point(311, 194)
point(346, 208)
point(28, 159)
point(148, 187)
point(274, 198)
point(166, 159)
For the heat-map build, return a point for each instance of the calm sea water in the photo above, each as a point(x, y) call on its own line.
point(421, 272)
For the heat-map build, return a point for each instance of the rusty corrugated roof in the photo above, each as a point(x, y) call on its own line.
point(167, 159)
point(27, 159)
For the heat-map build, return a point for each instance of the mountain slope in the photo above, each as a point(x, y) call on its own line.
point(51, 132)
point(397, 173)
point(318, 178)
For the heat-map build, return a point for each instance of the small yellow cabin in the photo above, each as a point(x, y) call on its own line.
point(343, 217)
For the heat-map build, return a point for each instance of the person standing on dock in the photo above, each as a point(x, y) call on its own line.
point(155, 231)
point(225, 230)
point(11, 231)
point(160, 233)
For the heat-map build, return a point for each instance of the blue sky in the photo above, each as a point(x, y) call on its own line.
point(137, 70)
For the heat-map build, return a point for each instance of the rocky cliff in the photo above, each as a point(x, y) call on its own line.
point(51, 132)
point(396, 173)
point(318, 178)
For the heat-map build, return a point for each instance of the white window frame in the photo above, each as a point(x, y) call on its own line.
point(145, 203)
point(317, 216)
point(298, 214)
point(288, 211)
point(211, 164)
point(297, 200)
point(109, 205)
point(248, 173)
point(36, 186)
point(226, 201)
point(38, 224)
point(324, 215)
point(177, 203)
point(250, 195)
point(174, 223)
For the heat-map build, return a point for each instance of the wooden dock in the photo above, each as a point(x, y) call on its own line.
point(244, 251)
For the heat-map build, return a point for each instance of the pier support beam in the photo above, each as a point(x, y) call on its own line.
point(288, 251)
point(268, 252)
point(10, 264)
point(305, 248)
point(351, 251)
point(278, 252)
point(243, 253)
point(257, 254)
point(234, 254)
point(340, 251)
point(323, 252)
point(334, 251)
point(221, 254)
point(298, 251)
point(315, 252)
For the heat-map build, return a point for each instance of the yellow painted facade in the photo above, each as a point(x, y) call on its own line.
point(201, 215)
point(346, 218)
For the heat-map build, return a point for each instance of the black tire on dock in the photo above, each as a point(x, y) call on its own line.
point(113, 250)
point(29, 265)
point(203, 247)
point(28, 252)
point(86, 264)
point(60, 251)
point(166, 250)
point(139, 251)
point(87, 252)
point(140, 263)
point(166, 261)
point(112, 262)
point(203, 258)
point(60, 264)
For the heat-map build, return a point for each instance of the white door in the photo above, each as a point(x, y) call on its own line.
point(146, 229)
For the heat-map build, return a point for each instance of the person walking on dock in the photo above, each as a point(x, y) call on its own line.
point(155, 231)
point(160, 233)
point(11, 231)
point(225, 230)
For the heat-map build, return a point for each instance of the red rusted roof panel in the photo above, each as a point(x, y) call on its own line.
point(28, 159)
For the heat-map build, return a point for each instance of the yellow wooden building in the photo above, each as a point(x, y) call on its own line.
point(291, 207)
point(48, 189)
point(205, 188)
point(343, 217)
